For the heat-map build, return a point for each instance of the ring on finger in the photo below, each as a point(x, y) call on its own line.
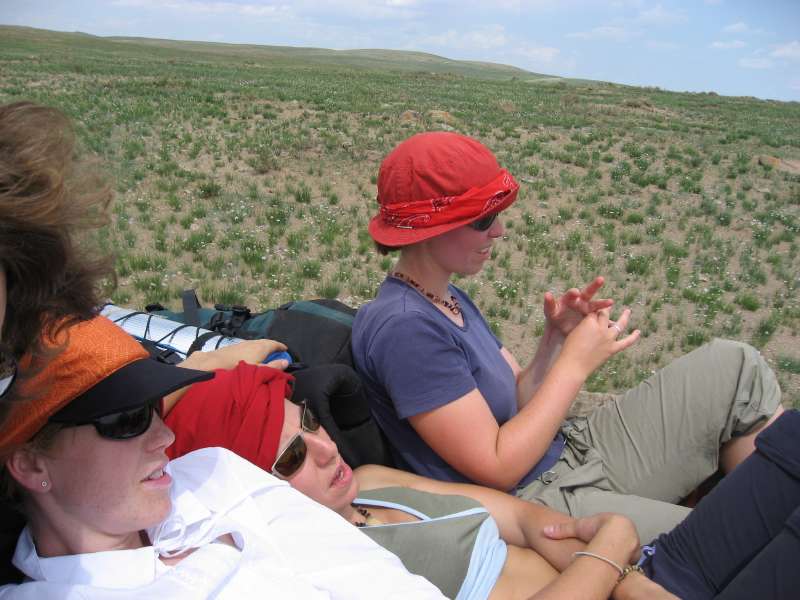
point(617, 327)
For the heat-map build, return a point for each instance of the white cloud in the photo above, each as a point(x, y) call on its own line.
point(116, 24)
point(727, 45)
point(742, 27)
point(790, 51)
point(755, 63)
point(364, 9)
point(627, 3)
point(518, 5)
point(208, 8)
point(736, 28)
point(658, 15)
point(605, 32)
point(661, 45)
point(484, 38)
point(359, 9)
point(539, 54)
point(494, 43)
point(543, 59)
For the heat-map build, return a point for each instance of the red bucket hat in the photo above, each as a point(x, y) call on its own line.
point(435, 182)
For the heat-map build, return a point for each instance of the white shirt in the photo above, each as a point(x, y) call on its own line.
point(287, 546)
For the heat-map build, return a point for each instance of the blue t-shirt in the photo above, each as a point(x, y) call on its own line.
point(414, 359)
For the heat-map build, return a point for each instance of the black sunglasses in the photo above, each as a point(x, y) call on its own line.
point(124, 424)
point(293, 455)
point(483, 223)
point(8, 371)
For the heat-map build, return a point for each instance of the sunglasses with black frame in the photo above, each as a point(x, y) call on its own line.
point(123, 424)
point(484, 222)
point(293, 454)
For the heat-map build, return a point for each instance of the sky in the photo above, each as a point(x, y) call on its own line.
point(732, 47)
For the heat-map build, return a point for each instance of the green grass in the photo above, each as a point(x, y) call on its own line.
point(789, 364)
point(249, 173)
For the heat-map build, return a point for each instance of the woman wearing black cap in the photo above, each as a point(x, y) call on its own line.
point(85, 461)
point(51, 276)
point(456, 405)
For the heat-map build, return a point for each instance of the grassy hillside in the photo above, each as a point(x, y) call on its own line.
point(249, 173)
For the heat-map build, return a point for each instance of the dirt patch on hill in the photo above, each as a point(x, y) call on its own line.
point(781, 164)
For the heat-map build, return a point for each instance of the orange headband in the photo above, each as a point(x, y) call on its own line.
point(87, 353)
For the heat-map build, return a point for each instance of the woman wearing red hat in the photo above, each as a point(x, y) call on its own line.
point(456, 405)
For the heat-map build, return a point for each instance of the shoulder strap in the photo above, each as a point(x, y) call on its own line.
point(201, 340)
point(337, 396)
point(191, 306)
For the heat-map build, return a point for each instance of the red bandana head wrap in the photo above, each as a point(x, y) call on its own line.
point(435, 182)
point(240, 409)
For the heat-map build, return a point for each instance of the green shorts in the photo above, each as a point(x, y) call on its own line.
point(647, 449)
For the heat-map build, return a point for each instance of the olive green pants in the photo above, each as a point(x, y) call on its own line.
point(650, 447)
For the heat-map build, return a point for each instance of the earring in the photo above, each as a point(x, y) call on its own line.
point(44, 484)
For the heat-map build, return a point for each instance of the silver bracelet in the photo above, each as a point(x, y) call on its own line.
point(619, 569)
point(623, 573)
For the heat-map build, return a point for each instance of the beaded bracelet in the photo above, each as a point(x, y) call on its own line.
point(623, 572)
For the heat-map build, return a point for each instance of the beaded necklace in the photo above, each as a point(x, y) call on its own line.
point(369, 520)
point(453, 306)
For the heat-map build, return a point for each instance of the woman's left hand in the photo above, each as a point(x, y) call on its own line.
point(566, 312)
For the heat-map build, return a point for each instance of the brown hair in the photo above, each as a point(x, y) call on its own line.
point(385, 250)
point(47, 203)
point(12, 492)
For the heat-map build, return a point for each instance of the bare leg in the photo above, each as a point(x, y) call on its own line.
point(738, 448)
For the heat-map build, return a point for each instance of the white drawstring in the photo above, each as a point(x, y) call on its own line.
point(173, 544)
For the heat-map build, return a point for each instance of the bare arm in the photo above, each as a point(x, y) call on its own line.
point(590, 578)
point(467, 436)
point(523, 523)
point(613, 537)
point(530, 379)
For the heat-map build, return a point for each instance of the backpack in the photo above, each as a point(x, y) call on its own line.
point(317, 334)
point(315, 331)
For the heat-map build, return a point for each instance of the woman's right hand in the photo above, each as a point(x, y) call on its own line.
point(249, 351)
point(595, 340)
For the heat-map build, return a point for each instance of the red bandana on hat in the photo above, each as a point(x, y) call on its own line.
point(435, 182)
